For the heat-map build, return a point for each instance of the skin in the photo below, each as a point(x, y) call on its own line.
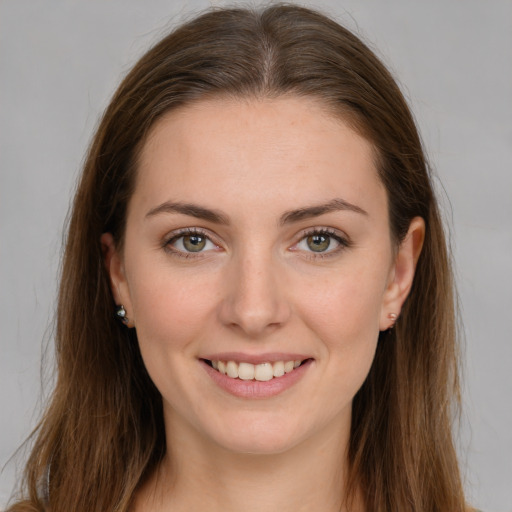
point(257, 287)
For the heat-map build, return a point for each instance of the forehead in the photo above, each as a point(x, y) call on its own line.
point(264, 151)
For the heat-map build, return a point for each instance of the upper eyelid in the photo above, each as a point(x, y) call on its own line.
point(189, 231)
point(323, 229)
point(302, 232)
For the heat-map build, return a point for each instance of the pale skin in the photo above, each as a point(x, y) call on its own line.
point(257, 282)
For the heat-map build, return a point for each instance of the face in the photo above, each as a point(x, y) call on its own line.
point(257, 243)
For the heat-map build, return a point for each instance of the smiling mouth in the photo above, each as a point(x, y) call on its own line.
point(262, 372)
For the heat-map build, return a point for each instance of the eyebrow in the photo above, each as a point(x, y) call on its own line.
point(217, 217)
point(317, 210)
point(193, 210)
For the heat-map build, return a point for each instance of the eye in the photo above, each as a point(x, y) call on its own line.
point(321, 241)
point(190, 241)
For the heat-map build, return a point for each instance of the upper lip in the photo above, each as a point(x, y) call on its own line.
point(270, 357)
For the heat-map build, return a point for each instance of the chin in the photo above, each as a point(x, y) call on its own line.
point(263, 444)
point(260, 437)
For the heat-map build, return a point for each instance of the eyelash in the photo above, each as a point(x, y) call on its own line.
point(167, 245)
point(344, 242)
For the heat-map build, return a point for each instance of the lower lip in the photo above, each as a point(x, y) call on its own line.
point(255, 388)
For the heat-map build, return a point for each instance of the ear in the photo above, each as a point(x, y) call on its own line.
point(402, 273)
point(115, 268)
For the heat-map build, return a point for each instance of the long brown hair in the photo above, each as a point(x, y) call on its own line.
point(103, 431)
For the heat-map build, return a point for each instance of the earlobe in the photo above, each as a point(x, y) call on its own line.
point(402, 274)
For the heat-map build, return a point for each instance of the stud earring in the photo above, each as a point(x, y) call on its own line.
point(393, 317)
point(121, 314)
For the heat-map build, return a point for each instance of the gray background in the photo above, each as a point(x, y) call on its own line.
point(60, 62)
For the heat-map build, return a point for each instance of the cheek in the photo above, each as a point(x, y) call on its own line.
point(346, 321)
point(347, 305)
point(170, 307)
point(171, 313)
point(344, 313)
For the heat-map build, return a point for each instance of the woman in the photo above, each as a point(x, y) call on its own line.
point(256, 307)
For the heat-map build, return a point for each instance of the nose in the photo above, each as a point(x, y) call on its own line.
point(254, 300)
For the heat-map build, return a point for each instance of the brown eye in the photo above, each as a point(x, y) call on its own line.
point(319, 242)
point(194, 243)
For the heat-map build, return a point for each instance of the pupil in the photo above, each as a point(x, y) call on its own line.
point(318, 243)
point(194, 243)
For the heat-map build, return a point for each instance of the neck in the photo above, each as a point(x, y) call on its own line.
point(309, 476)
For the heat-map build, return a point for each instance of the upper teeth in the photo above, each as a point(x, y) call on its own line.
point(261, 372)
